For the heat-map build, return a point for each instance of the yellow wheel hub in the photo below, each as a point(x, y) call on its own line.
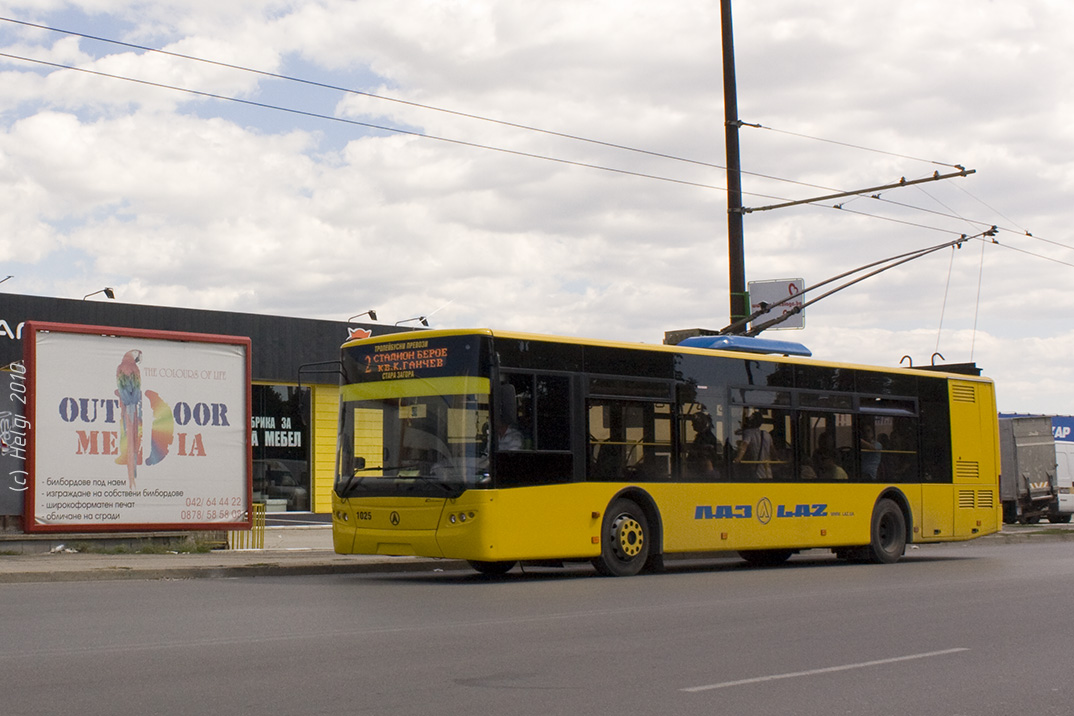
point(630, 536)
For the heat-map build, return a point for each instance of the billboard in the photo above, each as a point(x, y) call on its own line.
point(136, 430)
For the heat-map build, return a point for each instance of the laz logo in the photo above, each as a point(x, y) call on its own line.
point(802, 511)
point(764, 511)
point(723, 512)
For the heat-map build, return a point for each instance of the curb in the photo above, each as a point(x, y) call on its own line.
point(266, 569)
point(265, 566)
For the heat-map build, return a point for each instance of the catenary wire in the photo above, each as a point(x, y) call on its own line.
point(372, 95)
point(369, 125)
point(413, 133)
point(977, 303)
point(467, 115)
point(946, 289)
point(850, 146)
point(314, 83)
point(516, 125)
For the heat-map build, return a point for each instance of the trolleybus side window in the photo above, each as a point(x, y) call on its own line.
point(701, 445)
point(629, 440)
point(533, 429)
point(823, 378)
point(702, 431)
point(763, 435)
point(826, 446)
point(539, 410)
point(934, 430)
point(887, 430)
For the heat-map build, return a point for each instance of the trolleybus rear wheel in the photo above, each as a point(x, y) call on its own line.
point(888, 534)
point(492, 569)
point(624, 540)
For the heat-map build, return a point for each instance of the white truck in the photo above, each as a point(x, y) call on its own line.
point(1063, 431)
point(1035, 469)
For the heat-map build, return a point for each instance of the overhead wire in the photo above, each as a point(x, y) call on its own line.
point(952, 214)
point(372, 95)
point(573, 137)
point(946, 289)
point(885, 265)
point(457, 113)
point(369, 125)
point(993, 209)
point(977, 303)
point(851, 146)
point(397, 130)
point(516, 125)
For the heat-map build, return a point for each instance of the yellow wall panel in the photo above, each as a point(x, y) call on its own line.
point(325, 419)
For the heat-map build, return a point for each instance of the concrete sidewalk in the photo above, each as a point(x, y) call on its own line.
point(288, 551)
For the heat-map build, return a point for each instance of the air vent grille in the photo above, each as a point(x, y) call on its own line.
point(964, 392)
point(970, 499)
point(967, 470)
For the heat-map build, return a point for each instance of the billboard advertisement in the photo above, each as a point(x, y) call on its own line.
point(136, 430)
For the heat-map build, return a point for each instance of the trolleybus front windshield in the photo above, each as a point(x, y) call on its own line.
point(414, 418)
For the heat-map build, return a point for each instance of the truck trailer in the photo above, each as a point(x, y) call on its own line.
point(1030, 485)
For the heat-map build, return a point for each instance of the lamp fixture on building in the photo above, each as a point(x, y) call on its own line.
point(107, 291)
point(371, 313)
point(423, 319)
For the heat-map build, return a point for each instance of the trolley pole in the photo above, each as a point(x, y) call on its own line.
point(736, 261)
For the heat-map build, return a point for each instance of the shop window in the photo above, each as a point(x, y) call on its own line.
point(280, 442)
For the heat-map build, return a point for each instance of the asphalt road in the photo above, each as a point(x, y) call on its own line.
point(959, 629)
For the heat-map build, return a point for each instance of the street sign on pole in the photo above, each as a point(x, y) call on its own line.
point(787, 290)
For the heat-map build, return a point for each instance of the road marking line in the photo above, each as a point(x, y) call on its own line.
point(826, 670)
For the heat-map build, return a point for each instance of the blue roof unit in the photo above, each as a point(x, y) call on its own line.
point(747, 344)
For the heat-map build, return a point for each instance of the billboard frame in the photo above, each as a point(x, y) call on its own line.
point(30, 357)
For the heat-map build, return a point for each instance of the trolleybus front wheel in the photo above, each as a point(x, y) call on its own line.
point(624, 540)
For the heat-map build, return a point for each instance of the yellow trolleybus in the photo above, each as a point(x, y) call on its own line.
point(500, 448)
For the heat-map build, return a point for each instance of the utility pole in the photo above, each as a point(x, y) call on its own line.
point(736, 262)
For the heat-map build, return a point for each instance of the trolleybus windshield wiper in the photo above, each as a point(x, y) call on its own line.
point(453, 489)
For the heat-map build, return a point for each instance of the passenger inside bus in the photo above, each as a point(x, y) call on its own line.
point(870, 452)
point(703, 453)
point(508, 435)
point(827, 466)
point(755, 448)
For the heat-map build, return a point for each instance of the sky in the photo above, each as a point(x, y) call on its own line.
point(378, 181)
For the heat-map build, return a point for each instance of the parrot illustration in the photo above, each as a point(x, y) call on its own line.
point(129, 390)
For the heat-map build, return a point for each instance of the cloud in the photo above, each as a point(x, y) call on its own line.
point(183, 200)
